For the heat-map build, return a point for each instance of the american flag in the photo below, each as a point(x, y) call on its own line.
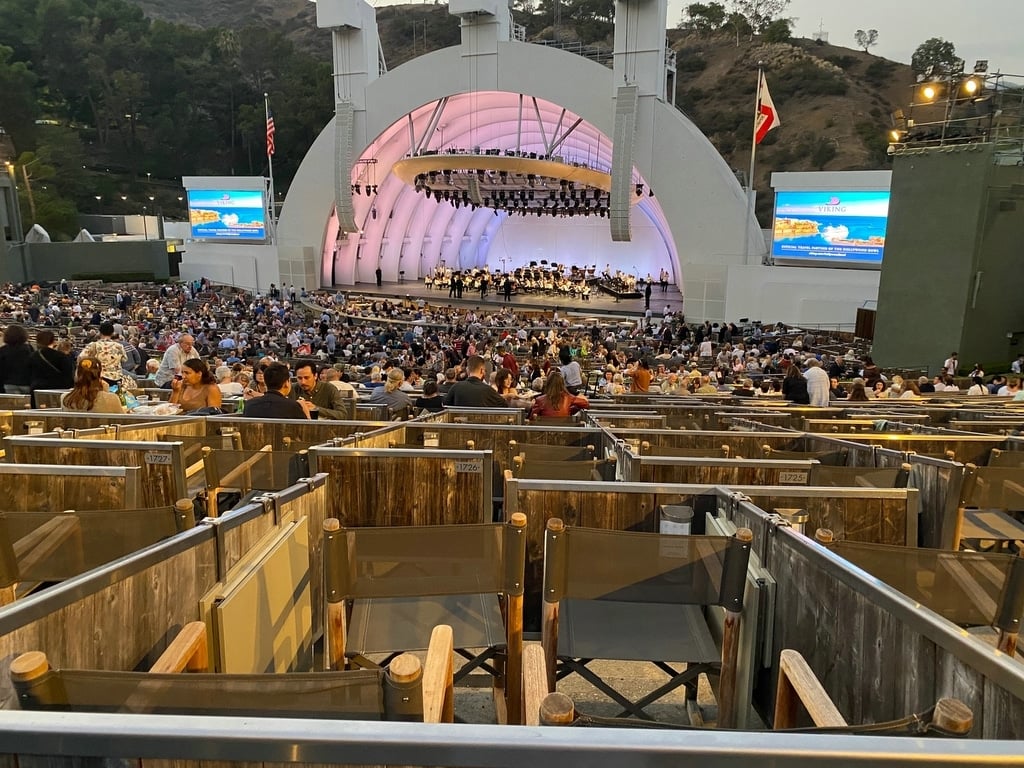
point(270, 133)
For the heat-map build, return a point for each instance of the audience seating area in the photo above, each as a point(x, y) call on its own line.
point(381, 570)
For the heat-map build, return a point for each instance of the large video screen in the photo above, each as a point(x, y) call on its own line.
point(227, 214)
point(840, 227)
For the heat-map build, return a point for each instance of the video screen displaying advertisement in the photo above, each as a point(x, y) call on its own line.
point(227, 214)
point(842, 227)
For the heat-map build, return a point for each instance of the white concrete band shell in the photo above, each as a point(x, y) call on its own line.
point(495, 92)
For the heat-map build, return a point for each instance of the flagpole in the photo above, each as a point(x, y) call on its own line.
point(750, 175)
point(270, 163)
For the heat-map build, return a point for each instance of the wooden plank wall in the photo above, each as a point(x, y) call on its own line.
point(496, 438)
point(966, 449)
point(150, 431)
point(874, 665)
point(382, 487)
point(124, 626)
point(849, 516)
point(642, 469)
point(161, 483)
point(56, 492)
point(618, 421)
point(256, 433)
point(484, 416)
point(54, 418)
point(938, 484)
point(745, 444)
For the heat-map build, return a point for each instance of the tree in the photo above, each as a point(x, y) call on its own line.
point(778, 31)
point(739, 25)
point(866, 39)
point(704, 18)
point(760, 13)
point(936, 53)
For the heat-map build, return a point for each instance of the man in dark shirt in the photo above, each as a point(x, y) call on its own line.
point(275, 404)
point(315, 395)
point(473, 392)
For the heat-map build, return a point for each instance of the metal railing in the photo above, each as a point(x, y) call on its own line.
point(282, 740)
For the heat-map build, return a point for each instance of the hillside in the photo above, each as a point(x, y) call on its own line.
point(834, 102)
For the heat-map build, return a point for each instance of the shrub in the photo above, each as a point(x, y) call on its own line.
point(843, 62)
point(805, 78)
point(879, 72)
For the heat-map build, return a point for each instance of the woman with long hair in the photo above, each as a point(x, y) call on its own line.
point(391, 393)
point(256, 387)
point(504, 382)
point(196, 389)
point(858, 392)
point(794, 386)
point(90, 391)
point(557, 400)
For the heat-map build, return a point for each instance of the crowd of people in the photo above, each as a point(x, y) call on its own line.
point(209, 345)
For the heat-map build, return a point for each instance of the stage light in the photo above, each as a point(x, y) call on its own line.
point(929, 92)
point(971, 86)
point(639, 189)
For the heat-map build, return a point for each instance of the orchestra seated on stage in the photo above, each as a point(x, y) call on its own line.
point(569, 281)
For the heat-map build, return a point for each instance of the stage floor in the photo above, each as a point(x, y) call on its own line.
point(600, 304)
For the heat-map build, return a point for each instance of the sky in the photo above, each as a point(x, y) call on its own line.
point(980, 29)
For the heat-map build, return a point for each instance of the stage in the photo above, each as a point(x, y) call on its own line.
point(599, 305)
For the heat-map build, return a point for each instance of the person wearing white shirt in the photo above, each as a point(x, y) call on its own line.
point(950, 364)
point(818, 384)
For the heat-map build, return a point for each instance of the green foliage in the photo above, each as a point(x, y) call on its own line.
point(760, 13)
point(56, 214)
point(879, 72)
point(805, 78)
point(17, 98)
point(150, 100)
point(688, 60)
point(820, 150)
point(703, 18)
point(738, 23)
point(843, 62)
point(874, 139)
point(866, 39)
point(777, 31)
point(936, 53)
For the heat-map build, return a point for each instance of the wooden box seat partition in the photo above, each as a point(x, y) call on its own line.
point(56, 487)
point(713, 471)
point(50, 419)
point(299, 433)
point(162, 465)
point(46, 547)
point(967, 588)
point(749, 445)
point(393, 486)
point(862, 514)
point(130, 604)
point(897, 655)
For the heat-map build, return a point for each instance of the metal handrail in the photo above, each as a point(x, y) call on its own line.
point(283, 740)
